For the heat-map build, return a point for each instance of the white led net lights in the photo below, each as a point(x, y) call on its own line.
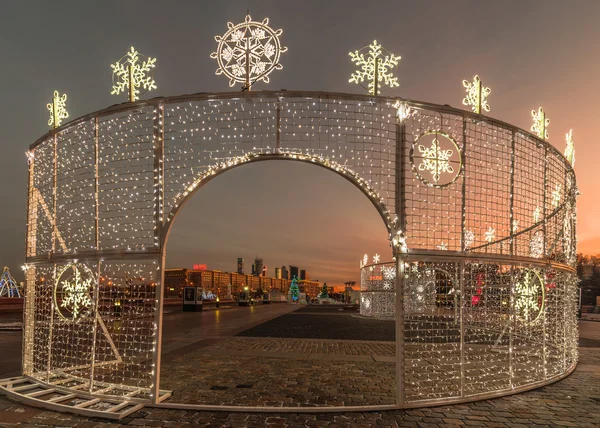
point(104, 190)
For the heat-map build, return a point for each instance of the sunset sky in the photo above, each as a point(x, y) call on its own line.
point(531, 54)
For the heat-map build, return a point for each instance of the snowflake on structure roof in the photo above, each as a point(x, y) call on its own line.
point(58, 109)
point(540, 123)
point(476, 95)
point(374, 67)
point(365, 260)
point(570, 149)
point(435, 159)
point(490, 235)
point(248, 52)
point(132, 73)
point(376, 258)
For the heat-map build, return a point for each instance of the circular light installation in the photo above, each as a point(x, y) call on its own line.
point(248, 52)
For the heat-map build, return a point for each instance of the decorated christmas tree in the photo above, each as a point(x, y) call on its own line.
point(8, 286)
point(294, 289)
point(324, 294)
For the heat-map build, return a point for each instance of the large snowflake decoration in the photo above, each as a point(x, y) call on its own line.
point(490, 235)
point(469, 238)
point(536, 245)
point(435, 160)
point(540, 123)
point(389, 273)
point(476, 95)
point(74, 292)
point(248, 52)
point(58, 110)
point(556, 195)
point(570, 148)
point(529, 296)
point(374, 66)
point(132, 73)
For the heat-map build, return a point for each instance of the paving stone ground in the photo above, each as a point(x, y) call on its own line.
point(574, 401)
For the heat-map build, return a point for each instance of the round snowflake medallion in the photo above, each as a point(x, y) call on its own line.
point(248, 52)
point(73, 290)
point(530, 293)
point(436, 159)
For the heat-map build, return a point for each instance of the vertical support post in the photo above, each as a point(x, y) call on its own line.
point(376, 77)
point(278, 124)
point(479, 85)
point(463, 223)
point(97, 247)
point(400, 395)
point(512, 196)
point(462, 328)
point(29, 292)
point(54, 229)
point(400, 258)
point(544, 196)
point(511, 318)
point(159, 145)
point(131, 84)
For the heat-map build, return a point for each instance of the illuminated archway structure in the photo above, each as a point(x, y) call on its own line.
point(105, 188)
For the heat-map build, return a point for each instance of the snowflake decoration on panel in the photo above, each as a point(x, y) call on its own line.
point(131, 73)
point(439, 156)
point(72, 291)
point(529, 296)
point(536, 245)
point(443, 246)
point(248, 52)
point(58, 110)
point(374, 66)
point(570, 148)
point(376, 258)
point(556, 195)
point(389, 273)
point(490, 235)
point(476, 95)
point(540, 123)
point(469, 238)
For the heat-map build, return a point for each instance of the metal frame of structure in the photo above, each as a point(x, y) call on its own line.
point(105, 188)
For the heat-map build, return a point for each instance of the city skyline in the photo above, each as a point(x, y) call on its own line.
point(521, 57)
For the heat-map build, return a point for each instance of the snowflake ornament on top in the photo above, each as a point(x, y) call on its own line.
point(540, 123)
point(58, 109)
point(248, 52)
point(476, 95)
point(131, 73)
point(570, 148)
point(374, 66)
